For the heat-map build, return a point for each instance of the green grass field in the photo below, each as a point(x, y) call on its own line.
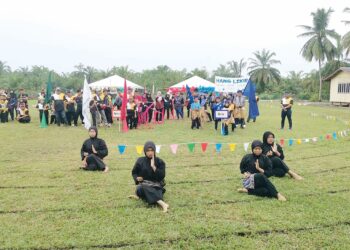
point(46, 202)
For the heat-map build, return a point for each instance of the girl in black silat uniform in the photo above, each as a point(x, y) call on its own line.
point(256, 168)
point(275, 152)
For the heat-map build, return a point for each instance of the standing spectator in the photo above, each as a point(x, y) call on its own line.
point(287, 103)
point(12, 105)
point(78, 98)
point(159, 107)
point(58, 100)
point(70, 108)
point(179, 103)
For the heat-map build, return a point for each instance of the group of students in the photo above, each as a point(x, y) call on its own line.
point(148, 173)
point(205, 107)
point(14, 106)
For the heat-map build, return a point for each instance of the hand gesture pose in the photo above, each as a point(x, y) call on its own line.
point(257, 166)
point(93, 149)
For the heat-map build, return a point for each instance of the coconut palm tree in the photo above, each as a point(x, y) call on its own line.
point(346, 37)
point(319, 47)
point(4, 68)
point(261, 70)
point(237, 67)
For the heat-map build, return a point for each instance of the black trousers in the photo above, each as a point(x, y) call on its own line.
point(78, 113)
point(94, 163)
point(216, 124)
point(150, 114)
point(70, 117)
point(195, 123)
point(149, 194)
point(167, 112)
point(24, 119)
point(3, 117)
point(287, 113)
point(159, 115)
point(93, 116)
point(12, 113)
point(279, 167)
point(52, 118)
point(131, 121)
point(240, 121)
point(108, 112)
point(263, 187)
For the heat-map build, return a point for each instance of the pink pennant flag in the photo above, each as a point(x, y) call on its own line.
point(282, 142)
point(173, 148)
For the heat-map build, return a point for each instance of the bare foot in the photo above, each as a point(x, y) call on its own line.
point(165, 208)
point(280, 197)
point(242, 190)
point(106, 169)
point(135, 197)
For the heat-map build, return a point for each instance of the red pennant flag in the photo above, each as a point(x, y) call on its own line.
point(282, 142)
point(204, 146)
point(328, 136)
point(123, 108)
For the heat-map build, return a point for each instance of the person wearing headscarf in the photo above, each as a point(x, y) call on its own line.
point(275, 152)
point(256, 168)
point(93, 151)
point(148, 174)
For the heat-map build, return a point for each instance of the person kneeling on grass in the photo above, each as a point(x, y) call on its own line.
point(148, 174)
point(93, 151)
point(255, 168)
point(275, 152)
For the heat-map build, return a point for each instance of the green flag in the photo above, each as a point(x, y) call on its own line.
point(190, 146)
point(48, 90)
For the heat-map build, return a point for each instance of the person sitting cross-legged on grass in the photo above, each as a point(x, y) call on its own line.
point(255, 168)
point(275, 152)
point(93, 151)
point(148, 174)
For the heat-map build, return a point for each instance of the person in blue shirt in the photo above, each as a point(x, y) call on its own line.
point(217, 106)
point(195, 113)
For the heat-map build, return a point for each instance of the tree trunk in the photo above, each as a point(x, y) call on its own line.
point(319, 72)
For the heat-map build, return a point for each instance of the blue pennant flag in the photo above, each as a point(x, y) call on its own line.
point(334, 135)
point(218, 147)
point(121, 149)
point(290, 142)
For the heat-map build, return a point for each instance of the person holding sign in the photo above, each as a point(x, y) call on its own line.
point(195, 113)
point(256, 169)
point(148, 174)
point(93, 151)
point(275, 152)
point(240, 109)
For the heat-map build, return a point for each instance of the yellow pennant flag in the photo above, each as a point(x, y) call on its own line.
point(299, 141)
point(139, 149)
point(232, 147)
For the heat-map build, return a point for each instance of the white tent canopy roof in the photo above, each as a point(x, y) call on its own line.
point(114, 82)
point(194, 81)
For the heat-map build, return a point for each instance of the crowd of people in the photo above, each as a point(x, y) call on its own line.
point(66, 107)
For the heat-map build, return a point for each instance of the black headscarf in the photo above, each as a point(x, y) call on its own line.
point(149, 144)
point(256, 143)
point(266, 135)
point(95, 129)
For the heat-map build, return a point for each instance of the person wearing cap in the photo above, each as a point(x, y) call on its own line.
point(286, 104)
point(256, 168)
point(275, 152)
point(148, 174)
point(240, 109)
point(93, 151)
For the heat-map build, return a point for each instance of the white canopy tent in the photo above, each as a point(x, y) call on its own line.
point(194, 81)
point(114, 82)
